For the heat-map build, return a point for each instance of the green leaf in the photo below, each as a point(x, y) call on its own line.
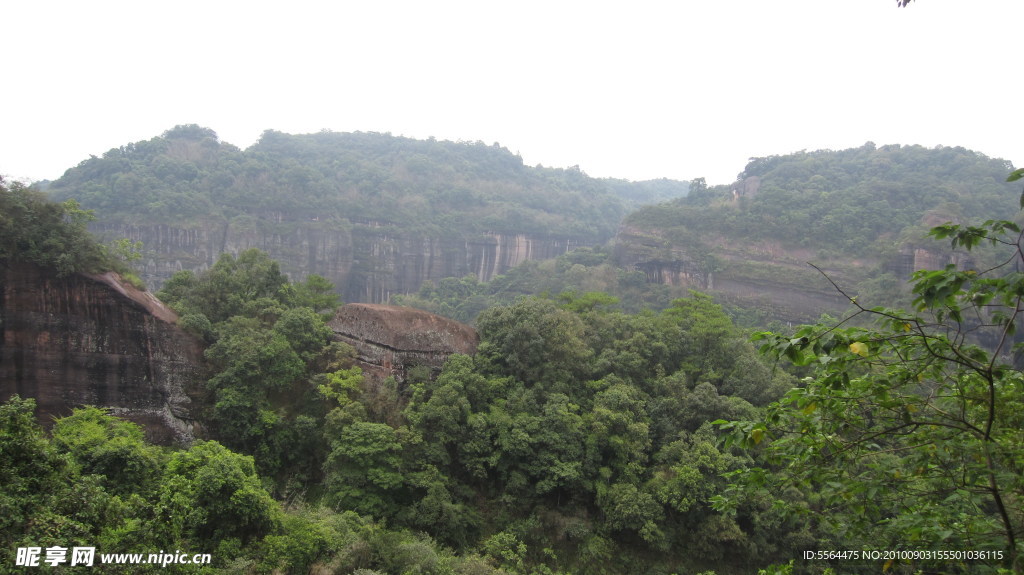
point(1015, 175)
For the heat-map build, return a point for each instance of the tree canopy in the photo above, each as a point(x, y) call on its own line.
point(37, 230)
point(909, 433)
point(430, 186)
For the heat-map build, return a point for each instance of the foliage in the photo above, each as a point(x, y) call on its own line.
point(909, 433)
point(587, 426)
point(427, 186)
point(210, 494)
point(859, 211)
point(61, 491)
point(34, 229)
point(582, 274)
point(576, 440)
point(108, 447)
point(269, 348)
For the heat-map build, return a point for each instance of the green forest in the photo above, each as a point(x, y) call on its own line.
point(426, 186)
point(857, 213)
point(604, 426)
point(861, 199)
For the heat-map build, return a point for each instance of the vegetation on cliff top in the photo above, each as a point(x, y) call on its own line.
point(36, 230)
point(435, 187)
point(852, 203)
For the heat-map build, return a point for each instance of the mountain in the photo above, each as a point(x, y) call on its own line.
point(374, 213)
point(860, 215)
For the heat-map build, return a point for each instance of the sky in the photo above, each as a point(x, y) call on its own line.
point(640, 90)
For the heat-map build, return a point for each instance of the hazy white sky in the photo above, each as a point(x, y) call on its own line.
point(638, 90)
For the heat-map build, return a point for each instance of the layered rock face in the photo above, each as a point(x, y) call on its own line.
point(93, 340)
point(367, 261)
point(390, 340)
point(763, 276)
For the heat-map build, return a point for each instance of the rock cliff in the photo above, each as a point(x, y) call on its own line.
point(761, 275)
point(367, 262)
point(765, 275)
point(94, 340)
point(390, 340)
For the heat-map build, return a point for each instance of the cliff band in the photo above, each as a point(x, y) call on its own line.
point(93, 340)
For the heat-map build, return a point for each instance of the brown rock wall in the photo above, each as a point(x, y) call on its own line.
point(764, 275)
point(389, 340)
point(92, 340)
point(367, 261)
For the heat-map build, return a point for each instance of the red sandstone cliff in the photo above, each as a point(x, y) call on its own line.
point(93, 340)
point(390, 339)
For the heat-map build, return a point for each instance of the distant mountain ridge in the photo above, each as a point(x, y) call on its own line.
point(379, 215)
point(861, 215)
point(374, 213)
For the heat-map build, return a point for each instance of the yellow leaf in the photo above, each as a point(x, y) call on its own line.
point(756, 435)
point(906, 327)
point(810, 408)
point(860, 348)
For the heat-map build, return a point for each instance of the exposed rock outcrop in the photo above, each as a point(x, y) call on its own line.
point(368, 261)
point(764, 275)
point(94, 340)
point(746, 188)
point(389, 340)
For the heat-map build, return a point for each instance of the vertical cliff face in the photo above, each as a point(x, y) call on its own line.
point(367, 261)
point(761, 275)
point(765, 274)
point(91, 340)
point(389, 340)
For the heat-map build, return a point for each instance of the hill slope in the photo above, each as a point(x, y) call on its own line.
point(859, 214)
point(374, 213)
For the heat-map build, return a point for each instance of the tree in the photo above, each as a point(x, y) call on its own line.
point(316, 293)
point(108, 446)
point(209, 493)
point(304, 331)
point(36, 230)
point(364, 468)
point(249, 285)
point(44, 500)
point(910, 432)
point(536, 342)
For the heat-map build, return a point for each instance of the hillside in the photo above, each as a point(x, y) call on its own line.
point(374, 213)
point(859, 214)
point(577, 438)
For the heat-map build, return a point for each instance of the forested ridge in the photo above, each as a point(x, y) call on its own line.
point(856, 202)
point(428, 186)
point(860, 214)
point(376, 214)
point(584, 436)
